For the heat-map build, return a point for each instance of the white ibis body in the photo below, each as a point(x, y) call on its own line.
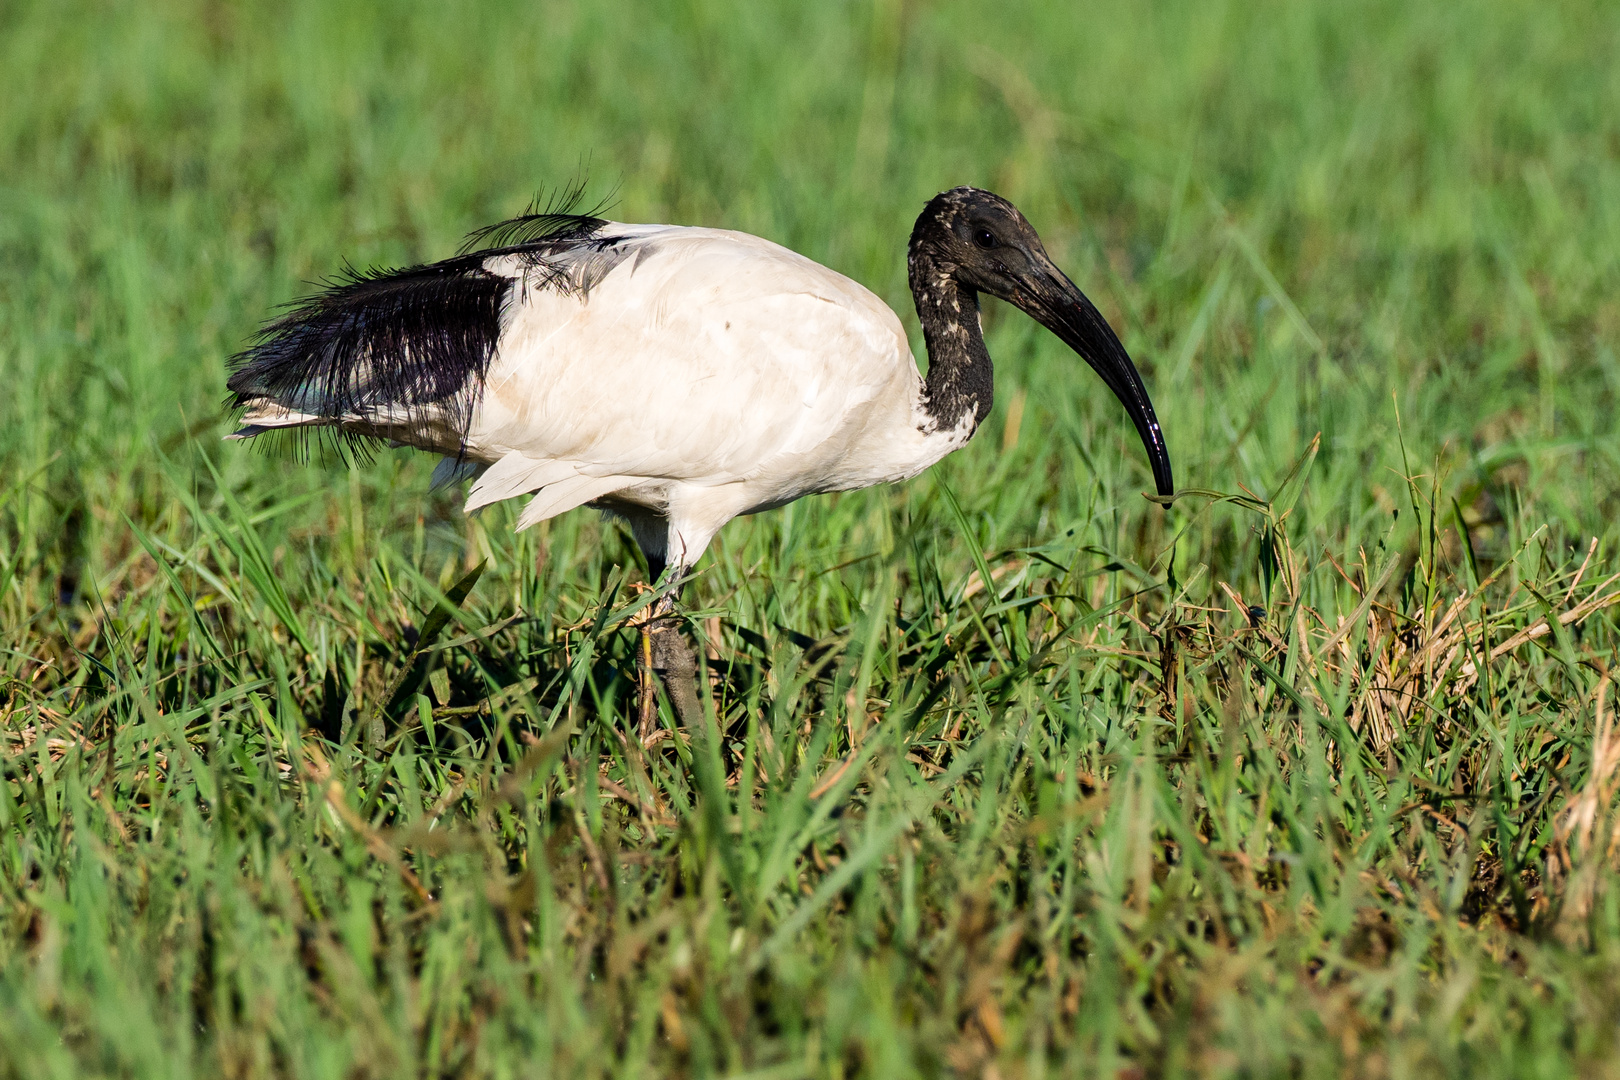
point(675, 376)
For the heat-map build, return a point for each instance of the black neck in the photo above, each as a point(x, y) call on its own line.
point(960, 379)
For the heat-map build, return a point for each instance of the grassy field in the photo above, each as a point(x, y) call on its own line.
point(1009, 772)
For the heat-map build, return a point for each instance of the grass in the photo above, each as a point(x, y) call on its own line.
point(1009, 772)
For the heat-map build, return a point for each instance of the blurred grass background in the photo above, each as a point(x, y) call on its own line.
point(1244, 789)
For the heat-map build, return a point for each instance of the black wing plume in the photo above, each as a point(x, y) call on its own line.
point(398, 340)
point(552, 221)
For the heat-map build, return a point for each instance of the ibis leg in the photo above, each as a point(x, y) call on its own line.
point(647, 719)
point(664, 652)
point(647, 707)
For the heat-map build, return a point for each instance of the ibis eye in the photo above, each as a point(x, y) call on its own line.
point(985, 239)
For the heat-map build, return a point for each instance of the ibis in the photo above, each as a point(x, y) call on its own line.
point(673, 376)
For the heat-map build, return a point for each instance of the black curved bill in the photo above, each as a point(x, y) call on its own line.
point(1057, 304)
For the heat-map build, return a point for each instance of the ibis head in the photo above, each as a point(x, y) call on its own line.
point(969, 241)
